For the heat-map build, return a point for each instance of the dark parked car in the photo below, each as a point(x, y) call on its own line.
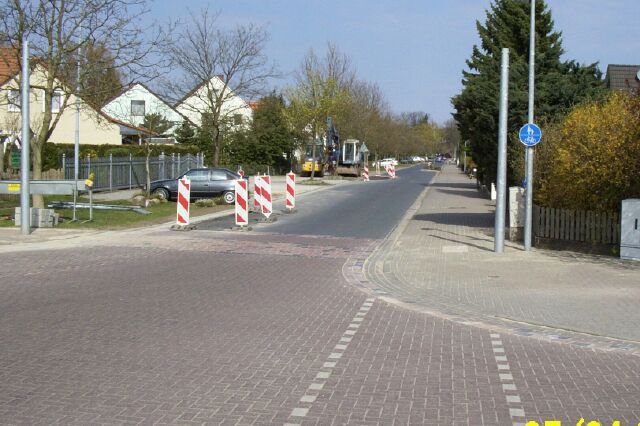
point(205, 183)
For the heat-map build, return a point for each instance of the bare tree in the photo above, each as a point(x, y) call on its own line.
point(218, 66)
point(58, 31)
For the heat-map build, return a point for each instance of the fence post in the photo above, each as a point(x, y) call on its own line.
point(64, 165)
point(179, 165)
point(88, 165)
point(130, 169)
point(161, 165)
point(110, 172)
point(173, 165)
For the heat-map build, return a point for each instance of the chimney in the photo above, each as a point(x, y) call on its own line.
point(221, 77)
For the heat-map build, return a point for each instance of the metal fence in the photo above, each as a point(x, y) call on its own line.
point(129, 172)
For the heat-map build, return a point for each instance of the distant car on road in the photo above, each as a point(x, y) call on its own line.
point(385, 162)
point(205, 183)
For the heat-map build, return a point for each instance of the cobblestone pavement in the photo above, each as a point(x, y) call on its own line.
point(159, 327)
point(443, 262)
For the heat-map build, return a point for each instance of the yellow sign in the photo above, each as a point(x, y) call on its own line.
point(13, 187)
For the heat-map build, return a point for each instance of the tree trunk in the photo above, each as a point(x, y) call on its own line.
point(147, 170)
point(36, 167)
point(2, 158)
point(216, 148)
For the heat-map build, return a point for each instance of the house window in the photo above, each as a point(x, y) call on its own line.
point(13, 98)
point(237, 119)
point(56, 101)
point(137, 108)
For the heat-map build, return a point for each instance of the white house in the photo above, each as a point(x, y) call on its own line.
point(96, 127)
point(137, 101)
point(235, 109)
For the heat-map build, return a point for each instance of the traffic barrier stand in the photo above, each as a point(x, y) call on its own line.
point(391, 170)
point(242, 205)
point(365, 174)
point(257, 196)
point(265, 199)
point(290, 202)
point(182, 214)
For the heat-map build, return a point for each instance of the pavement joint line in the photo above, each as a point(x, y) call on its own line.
point(516, 408)
point(333, 357)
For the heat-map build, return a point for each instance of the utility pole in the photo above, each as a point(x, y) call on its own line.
point(76, 145)
point(464, 169)
point(528, 218)
point(25, 207)
point(502, 155)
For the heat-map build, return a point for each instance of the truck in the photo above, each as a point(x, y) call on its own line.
point(333, 156)
point(348, 158)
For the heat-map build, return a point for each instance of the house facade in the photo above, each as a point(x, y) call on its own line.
point(95, 128)
point(235, 110)
point(623, 77)
point(137, 101)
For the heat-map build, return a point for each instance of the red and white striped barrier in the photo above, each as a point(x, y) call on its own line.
point(184, 194)
point(265, 195)
point(257, 196)
point(391, 170)
point(242, 203)
point(241, 172)
point(365, 174)
point(291, 191)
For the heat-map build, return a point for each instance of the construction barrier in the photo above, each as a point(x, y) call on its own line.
point(291, 191)
point(391, 170)
point(242, 203)
point(365, 174)
point(184, 195)
point(265, 195)
point(257, 196)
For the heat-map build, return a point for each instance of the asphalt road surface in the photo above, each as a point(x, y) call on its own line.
point(361, 210)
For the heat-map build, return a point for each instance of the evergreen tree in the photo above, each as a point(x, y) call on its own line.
point(272, 131)
point(185, 134)
point(559, 85)
point(157, 123)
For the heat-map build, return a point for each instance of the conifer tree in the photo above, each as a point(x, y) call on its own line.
point(559, 84)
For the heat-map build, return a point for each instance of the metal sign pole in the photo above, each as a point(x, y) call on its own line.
point(25, 207)
point(502, 155)
point(529, 175)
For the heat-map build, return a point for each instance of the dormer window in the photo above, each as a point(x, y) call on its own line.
point(13, 100)
point(56, 102)
point(137, 108)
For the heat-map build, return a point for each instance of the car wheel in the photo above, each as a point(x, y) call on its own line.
point(161, 193)
point(229, 197)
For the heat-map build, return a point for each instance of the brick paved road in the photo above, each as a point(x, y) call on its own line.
point(244, 328)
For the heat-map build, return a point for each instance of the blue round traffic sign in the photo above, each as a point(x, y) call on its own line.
point(530, 134)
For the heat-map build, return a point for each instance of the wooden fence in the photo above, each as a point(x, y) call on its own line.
point(576, 225)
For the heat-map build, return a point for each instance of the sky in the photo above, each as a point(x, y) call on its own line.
point(415, 50)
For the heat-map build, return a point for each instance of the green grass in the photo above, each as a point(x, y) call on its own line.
point(106, 219)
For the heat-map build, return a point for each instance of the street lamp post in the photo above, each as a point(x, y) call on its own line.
point(528, 218)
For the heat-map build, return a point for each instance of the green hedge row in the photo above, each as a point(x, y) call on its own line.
point(52, 153)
